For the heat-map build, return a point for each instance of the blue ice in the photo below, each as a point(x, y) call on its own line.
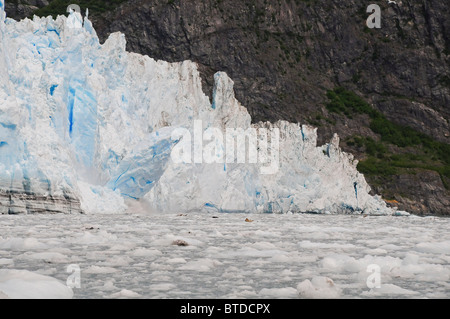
point(136, 174)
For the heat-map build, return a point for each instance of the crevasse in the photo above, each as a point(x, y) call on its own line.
point(88, 127)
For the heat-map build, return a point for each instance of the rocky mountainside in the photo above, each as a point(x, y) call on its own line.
point(385, 91)
point(19, 9)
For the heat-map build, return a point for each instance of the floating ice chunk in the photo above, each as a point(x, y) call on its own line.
point(401, 213)
point(23, 284)
point(125, 293)
point(22, 244)
point(318, 288)
point(49, 257)
point(163, 286)
point(201, 265)
point(388, 290)
point(99, 199)
point(279, 293)
point(442, 247)
point(99, 270)
point(144, 252)
point(176, 261)
point(6, 261)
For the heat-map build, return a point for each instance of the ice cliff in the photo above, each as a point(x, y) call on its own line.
point(86, 127)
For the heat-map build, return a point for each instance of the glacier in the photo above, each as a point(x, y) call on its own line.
point(89, 127)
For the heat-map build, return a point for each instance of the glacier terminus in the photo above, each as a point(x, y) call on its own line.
point(89, 127)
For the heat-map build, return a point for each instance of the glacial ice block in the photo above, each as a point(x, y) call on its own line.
point(142, 168)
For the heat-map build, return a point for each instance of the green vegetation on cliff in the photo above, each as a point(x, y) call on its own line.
point(400, 149)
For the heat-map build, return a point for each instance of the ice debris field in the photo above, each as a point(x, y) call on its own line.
point(197, 256)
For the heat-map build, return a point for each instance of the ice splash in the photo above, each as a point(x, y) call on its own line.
point(84, 125)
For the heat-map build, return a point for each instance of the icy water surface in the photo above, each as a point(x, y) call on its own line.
point(273, 256)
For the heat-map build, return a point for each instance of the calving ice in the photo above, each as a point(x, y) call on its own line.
point(91, 127)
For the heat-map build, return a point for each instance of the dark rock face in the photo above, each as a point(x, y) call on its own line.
point(284, 55)
point(431, 196)
point(20, 9)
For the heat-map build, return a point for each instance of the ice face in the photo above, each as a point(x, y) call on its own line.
point(136, 174)
point(78, 119)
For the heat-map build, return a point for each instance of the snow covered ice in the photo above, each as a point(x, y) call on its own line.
point(85, 126)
